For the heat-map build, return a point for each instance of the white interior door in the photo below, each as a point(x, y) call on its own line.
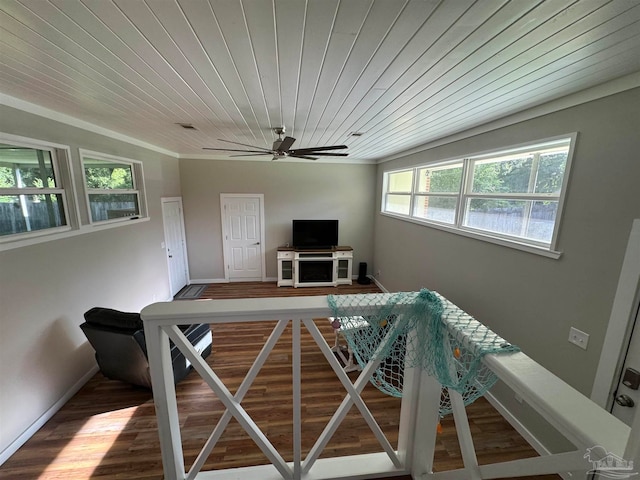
point(627, 395)
point(243, 230)
point(175, 246)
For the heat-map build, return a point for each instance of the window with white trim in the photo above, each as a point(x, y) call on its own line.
point(115, 187)
point(514, 195)
point(33, 199)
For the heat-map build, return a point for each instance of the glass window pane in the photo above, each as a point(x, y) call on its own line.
point(113, 205)
point(542, 221)
point(520, 218)
point(551, 172)
point(400, 181)
point(398, 204)
point(22, 167)
point(501, 216)
point(108, 175)
point(440, 180)
point(506, 175)
point(27, 213)
point(439, 209)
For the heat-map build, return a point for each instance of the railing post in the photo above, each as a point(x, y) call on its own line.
point(297, 400)
point(164, 398)
point(408, 407)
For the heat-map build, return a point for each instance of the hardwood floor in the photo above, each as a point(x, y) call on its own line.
point(108, 429)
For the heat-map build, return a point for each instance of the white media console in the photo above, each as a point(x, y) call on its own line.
point(314, 268)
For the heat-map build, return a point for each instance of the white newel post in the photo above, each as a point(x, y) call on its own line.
point(164, 398)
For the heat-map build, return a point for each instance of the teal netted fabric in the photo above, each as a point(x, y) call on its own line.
point(424, 330)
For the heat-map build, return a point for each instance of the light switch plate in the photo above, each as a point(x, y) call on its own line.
point(578, 337)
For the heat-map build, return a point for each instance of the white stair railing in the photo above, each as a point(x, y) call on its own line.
point(575, 416)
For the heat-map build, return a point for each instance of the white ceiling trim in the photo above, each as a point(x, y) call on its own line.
point(612, 87)
point(28, 107)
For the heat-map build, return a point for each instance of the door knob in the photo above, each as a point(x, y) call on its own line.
point(625, 401)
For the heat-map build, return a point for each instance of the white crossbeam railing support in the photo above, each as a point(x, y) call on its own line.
point(426, 425)
point(164, 397)
point(467, 449)
point(239, 396)
point(352, 397)
point(231, 404)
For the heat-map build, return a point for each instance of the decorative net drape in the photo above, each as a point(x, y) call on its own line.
point(421, 329)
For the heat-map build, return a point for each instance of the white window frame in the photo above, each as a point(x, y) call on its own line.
point(65, 187)
point(137, 176)
point(465, 194)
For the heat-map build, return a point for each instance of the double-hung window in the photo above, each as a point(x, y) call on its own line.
point(513, 196)
point(115, 189)
point(33, 200)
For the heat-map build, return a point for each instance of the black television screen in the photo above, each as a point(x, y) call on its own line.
point(315, 233)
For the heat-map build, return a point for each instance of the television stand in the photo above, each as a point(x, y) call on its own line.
point(314, 268)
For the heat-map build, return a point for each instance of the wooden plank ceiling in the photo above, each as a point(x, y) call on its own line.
point(401, 72)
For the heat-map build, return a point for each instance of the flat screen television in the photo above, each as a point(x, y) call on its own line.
point(308, 234)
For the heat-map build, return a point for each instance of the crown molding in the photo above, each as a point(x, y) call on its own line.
point(606, 89)
point(29, 107)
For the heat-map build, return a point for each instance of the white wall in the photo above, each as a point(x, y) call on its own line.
point(532, 300)
point(45, 288)
point(291, 191)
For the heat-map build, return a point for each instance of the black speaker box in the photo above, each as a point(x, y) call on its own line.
point(362, 274)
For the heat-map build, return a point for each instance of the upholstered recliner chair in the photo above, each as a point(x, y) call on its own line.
point(121, 351)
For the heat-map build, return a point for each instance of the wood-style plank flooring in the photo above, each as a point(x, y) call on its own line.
point(108, 430)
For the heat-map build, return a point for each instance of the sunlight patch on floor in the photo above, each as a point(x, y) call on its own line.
point(87, 448)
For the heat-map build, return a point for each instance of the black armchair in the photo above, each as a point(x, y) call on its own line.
point(121, 350)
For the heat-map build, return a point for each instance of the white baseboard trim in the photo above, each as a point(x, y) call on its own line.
point(224, 280)
point(46, 416)
point(531, 439)
point(380, 286)
point(207, 280)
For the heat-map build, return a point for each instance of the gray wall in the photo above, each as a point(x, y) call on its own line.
point(45, 288)
point(291, 191)
point(529, 299)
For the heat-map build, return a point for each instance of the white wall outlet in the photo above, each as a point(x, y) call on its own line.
point(578, 337)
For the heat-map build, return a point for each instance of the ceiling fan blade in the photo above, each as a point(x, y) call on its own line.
point(266, 152)
point(301, 156)
point(250, 154)
point(320, 154)
point(244, 145)
point(286, 143)
point(320, 149)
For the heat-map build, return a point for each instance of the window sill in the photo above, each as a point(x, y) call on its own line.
point(479, 236)
point(60, 233)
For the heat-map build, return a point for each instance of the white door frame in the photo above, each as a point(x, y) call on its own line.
point(164, 200)
point(623, 315)
point(225, 247)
